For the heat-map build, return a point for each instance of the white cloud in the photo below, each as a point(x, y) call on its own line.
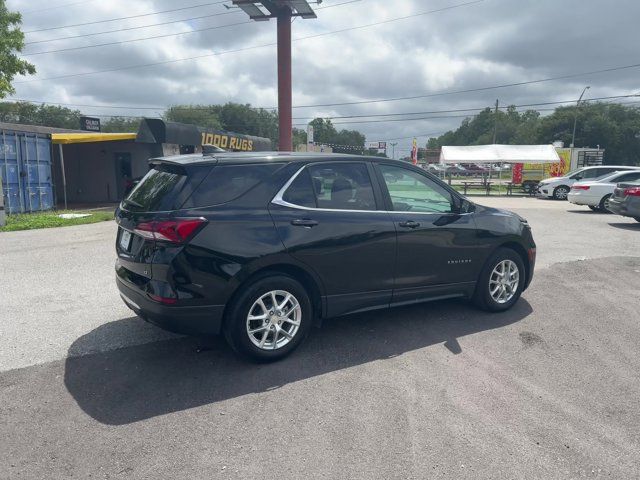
point(489, 43)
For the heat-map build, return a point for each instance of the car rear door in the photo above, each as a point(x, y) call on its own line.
point(437, 245)
point(329, 217)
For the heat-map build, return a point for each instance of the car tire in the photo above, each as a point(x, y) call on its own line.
point(604, 203)
point(561, 192)
point(238, 325)
point(486, 297)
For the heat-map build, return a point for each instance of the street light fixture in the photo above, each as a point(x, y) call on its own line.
point(283, 11)
point(575, 120)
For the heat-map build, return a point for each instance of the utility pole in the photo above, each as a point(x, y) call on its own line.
point(393, 150)
point(285, 130)
point(495, 122)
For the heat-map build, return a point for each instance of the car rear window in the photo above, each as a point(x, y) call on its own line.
point(227, 182)
point(159, 190)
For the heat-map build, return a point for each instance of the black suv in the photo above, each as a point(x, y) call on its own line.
point(260, 246)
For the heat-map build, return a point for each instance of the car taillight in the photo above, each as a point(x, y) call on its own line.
point(580, 187)
point(177, 230)
point(633, 191)
point(164, 300)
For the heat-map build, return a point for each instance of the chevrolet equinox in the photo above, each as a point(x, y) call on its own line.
point(261, 246)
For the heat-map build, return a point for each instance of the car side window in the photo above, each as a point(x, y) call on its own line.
point(629, 177)
point(412, 192)
point(342, 186)
point(593, 173)
point(300, 192)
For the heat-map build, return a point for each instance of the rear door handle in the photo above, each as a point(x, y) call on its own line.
point(304, 222)
point(409, 224)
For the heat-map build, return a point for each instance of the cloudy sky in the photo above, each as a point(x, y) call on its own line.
point(429, 49)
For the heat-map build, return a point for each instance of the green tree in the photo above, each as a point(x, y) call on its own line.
point(201, 115)
point(299, 137)
point(234, 117)
point(325, 132)
point(47, 115)
point(614, 127)
point(11, 42)
point(120, 125)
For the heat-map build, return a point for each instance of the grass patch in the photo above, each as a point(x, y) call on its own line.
point(31, 221)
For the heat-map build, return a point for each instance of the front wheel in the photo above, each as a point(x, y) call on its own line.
point(561, 192)
point(501, 281)
point(269, 319)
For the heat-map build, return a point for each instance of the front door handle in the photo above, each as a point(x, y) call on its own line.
point(304, 222)
point(409, 224)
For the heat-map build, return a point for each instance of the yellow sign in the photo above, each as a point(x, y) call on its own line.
point(537, 171)
point(227, 142)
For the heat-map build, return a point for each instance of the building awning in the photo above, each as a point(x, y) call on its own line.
point(90, 137)
point(500, 154)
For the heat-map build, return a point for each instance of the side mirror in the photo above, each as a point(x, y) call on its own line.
point(466, 206)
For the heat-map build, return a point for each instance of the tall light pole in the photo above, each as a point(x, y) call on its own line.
point(575, 120)
point(393, 150)
point(283, 11)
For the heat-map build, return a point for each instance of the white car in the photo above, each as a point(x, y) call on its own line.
point(596, 193)
point(559, 187)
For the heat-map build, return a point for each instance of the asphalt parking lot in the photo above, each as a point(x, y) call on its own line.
point(550, 389)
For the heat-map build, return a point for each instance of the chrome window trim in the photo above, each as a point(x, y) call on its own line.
point(278, 200)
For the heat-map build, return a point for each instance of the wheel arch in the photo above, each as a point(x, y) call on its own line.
point(522, 252)
point(306, 279)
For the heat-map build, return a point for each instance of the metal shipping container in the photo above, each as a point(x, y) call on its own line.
point(25, 169)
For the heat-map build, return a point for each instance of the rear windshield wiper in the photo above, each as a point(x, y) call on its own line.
point(132, 202)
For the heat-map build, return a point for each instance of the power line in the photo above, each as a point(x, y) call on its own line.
point(197, 57)
point(55, 7)
point(130, 28)
point(164, 23)
point(126, 18)
point(474, 109)
point(216, 27)
point(202, 107)
point(110, 115)
point(472, 90)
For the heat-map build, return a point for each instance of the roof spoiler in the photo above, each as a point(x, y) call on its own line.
point(208, 149)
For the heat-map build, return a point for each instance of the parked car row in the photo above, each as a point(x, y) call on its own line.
point(559, 187)
point(605, 188)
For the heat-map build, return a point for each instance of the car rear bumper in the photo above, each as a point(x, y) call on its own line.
point(190, 320)
point(579, 198)
point(624, 208)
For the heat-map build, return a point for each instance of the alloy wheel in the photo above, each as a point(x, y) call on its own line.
point(273, 320)
point(504, 281)
point(562, 193)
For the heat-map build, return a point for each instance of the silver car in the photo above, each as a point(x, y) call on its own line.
point(626, 200)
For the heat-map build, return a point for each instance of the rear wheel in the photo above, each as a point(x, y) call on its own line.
point(269, 319)
point(561, 192)
point(604, 204)
point(501, 281)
